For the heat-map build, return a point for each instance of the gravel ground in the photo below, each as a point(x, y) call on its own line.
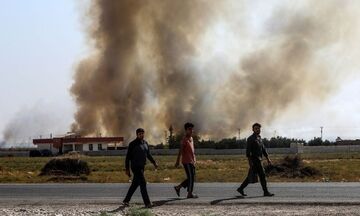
point(169, 210)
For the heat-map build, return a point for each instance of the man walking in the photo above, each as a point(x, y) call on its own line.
point(255, 149)
point(136, 155)
point(187, 154)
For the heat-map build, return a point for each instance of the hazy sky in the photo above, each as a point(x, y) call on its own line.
point(42, 41)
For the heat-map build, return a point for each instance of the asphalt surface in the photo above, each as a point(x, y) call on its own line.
point(209, 193)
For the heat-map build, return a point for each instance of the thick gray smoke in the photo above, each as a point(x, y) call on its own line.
point(144, 70)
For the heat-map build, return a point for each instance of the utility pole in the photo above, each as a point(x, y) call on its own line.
point(321, 132)
point(239, 133)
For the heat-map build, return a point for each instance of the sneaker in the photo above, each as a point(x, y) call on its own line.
point(177, 190)
point(193, 196)
point(241, 191)
point(268, 194)
point(126, 204)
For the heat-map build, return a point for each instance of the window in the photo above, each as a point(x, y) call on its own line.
point(90, 147)
point(79, 147)
point(100, 146)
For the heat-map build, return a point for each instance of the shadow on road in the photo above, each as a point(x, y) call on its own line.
point(155, 204)
point(233, 198)
point(163, 202)
point(214, 202)
point(253, 197)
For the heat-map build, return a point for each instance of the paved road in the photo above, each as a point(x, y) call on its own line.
point(210, 193)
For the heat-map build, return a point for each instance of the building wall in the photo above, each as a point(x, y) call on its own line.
point(44, 146)
point(332, 149)
point(85, 147)
point(72, 147)
point(297, 149)
point(78, 148)
point(348, 142)
point(54, 150)
point(48, 147)
point(95, 147)
point(104, 146)
point(67, 148)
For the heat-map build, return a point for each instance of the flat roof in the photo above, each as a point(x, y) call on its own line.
point(78, 140)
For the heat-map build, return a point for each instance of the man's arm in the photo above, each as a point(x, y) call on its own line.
point(266, 155)
point(248, 150)
point(149, 156)
point(128, 159)
point(179, 155)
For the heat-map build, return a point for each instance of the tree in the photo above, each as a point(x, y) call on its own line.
point(317, 141)
point(280, 142)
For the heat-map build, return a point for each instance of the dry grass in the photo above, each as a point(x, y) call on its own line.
point(210, 168)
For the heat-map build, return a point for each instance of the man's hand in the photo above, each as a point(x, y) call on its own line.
point(269, 161)
point(250, 163)
point(177, 164)
point(128, 173)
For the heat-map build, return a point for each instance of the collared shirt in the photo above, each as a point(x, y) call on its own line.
point(188, 151)
point(255, 147)
point(137, 153)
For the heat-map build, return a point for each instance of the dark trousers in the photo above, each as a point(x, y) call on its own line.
point(190, 174)
point(256, 169)
point(138, 179)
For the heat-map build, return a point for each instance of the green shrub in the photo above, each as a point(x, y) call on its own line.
point(139, 212)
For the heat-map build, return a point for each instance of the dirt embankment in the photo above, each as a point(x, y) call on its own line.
point(291, 167)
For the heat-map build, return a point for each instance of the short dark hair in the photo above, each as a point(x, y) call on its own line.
point(140, 130)
point(188, 125)
point(256, 124)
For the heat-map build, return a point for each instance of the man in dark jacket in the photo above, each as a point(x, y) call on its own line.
point(137, 153)
point(255, 149)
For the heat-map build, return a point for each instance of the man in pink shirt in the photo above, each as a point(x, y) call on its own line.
point(188, 160)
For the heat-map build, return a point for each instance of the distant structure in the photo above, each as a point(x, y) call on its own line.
point(340, 141)
point(73, 142)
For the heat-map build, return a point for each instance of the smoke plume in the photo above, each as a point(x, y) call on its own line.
point(148, 67)
point(33, 122)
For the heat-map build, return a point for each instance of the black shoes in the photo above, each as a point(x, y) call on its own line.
point(241, 191)
point(268, 194)
point(177, 190)
point(192, 196)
